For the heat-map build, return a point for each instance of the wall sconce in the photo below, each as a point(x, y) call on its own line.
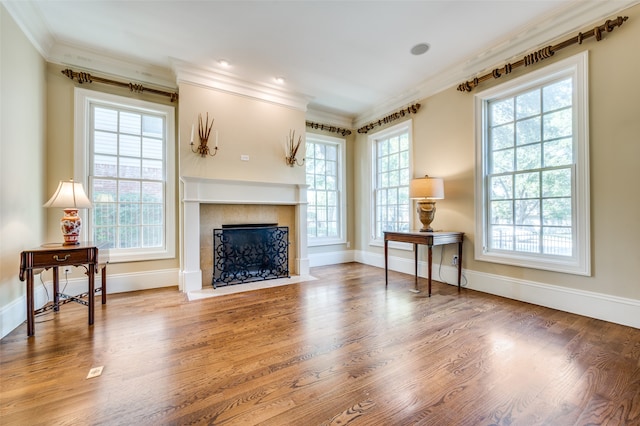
point(70, 196)
point(426, 190)
point(291, 150)
point(204, 130)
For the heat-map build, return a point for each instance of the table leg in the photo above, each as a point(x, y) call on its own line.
point(459, 264)
point(415, 272)
point(386, 266)
point(56, 289)
point(104, 284)
point(30, 315)
point(92, 298)
point(429, 266)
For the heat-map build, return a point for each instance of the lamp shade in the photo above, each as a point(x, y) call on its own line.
point(427, 187)
point(69, 194)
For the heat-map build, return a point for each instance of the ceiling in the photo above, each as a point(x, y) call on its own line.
point(345, 58)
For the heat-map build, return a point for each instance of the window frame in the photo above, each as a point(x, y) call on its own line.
point(579, 262)
point(82, 156)
point(342, 189)
point(405, 126)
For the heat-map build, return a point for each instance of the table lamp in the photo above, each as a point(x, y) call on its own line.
point(70, 197)
point(426, 190)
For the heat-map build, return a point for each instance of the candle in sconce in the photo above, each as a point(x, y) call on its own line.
point(192, 129)
point(216, 138)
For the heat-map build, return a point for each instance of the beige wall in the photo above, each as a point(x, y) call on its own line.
point(444, 145)
point(245, 126)
point(59, 163)
point(22, 153)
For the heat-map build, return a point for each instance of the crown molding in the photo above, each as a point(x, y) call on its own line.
point(29, 20)
point(329, 118)
point(563, 23)
point(31, 24)
point(99, 62)
point(571, 19)
point(227, 82)
point(385, 108)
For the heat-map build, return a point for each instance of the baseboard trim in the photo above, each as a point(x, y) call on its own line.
point(15, 313)
point(12, 315)
point(330, 258)
point(619, 310)
point(614, 309)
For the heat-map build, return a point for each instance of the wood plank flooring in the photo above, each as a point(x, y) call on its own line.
point(335, 351)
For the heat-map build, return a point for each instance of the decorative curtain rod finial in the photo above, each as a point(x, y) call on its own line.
point(85, 77)
point(328, 128)
point(413, 109)
point(544, 53)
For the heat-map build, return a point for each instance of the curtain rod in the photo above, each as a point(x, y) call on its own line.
point(85, 77)
point(547, 52)
point(334, 129)
point(390, 118)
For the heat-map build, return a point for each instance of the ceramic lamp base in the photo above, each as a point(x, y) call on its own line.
point(71, 224)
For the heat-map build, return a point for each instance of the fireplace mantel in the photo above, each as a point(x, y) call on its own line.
point(197, 190)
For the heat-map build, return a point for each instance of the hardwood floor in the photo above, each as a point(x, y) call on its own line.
point(335, 351)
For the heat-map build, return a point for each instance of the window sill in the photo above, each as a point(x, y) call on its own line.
point(569, 266)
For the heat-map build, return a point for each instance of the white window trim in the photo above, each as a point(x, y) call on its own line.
point(580, 263)
point(342, 173)
point(83, 99)
point(371, 140)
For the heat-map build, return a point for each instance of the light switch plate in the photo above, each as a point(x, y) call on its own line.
point(95, 372)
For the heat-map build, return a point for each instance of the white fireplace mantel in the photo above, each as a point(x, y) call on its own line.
point(196, 191)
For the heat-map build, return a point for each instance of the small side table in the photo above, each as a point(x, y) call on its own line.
point(56, 256)
point(429, 239)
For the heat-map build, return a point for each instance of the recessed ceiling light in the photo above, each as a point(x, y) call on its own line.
point(280, 80)
point(224, 63)
point(419, 49)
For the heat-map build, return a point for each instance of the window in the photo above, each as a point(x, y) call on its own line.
point(125, 155)
point(390, 152)
point(325, 170)
point(533, 173)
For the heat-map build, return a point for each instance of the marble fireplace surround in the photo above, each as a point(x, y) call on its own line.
point(197, 190)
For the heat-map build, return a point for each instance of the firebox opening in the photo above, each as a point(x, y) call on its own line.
point(250, 252)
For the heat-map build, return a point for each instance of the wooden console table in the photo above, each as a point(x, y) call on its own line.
point(56, 256)
point(429, 239)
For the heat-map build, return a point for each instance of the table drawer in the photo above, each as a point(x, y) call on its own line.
point(55, 258)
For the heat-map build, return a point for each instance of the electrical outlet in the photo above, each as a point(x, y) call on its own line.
point(454, 260)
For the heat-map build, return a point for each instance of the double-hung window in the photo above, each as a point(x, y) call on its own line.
point(125, 154)
point(325, 171)
point(532, 172)
point(391, 167)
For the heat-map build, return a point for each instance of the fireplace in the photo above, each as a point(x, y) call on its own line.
point(250, 252)
point(207, 204)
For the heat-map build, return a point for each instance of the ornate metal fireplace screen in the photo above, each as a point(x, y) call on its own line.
point(245, 253)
